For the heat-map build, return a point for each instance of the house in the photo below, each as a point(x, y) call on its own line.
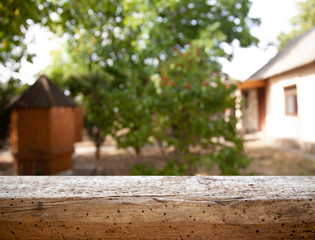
point(280, 97)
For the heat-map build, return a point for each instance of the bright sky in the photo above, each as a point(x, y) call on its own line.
point(274, 14)
point(275, 17)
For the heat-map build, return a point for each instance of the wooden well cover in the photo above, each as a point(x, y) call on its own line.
point(45, 125)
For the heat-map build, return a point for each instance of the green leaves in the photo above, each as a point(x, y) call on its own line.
point(7, 91)
point(190, 111)
point(15, 19)
point(304, 21)
point(147, 71)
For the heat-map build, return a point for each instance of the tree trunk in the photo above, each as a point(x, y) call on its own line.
point(97, 151)
point(98, 141)
point(138, 151)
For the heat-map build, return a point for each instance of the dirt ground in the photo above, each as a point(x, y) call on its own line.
point(265, 161)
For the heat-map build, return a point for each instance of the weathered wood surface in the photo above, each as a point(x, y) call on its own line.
point(157, 208)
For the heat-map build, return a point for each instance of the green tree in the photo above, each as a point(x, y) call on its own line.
point(111, 106)
point(131, 41)
point(304, 21)
point(95, 90)
point(191, 110)
point(141, 31)
point(98, 98)
point(165, 24)
point(134, 120)
point(16, 17)
point(127, 39)
point(148, 28)
point(8, 91)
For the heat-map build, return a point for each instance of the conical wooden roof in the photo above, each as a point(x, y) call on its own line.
point(42, 94)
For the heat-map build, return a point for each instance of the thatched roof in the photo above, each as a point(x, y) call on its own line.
point(299, 52)
point(42, 94)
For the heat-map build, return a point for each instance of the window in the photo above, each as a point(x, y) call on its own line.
point(290, 94)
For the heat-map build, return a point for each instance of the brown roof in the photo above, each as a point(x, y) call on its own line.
point(299, 52)
point(43, 94)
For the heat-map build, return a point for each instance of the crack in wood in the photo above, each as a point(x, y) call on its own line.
point(227, 202)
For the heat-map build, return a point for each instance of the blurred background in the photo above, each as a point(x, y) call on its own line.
point(157, 87)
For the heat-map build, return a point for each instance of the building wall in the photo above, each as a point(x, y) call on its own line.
point(301, 128)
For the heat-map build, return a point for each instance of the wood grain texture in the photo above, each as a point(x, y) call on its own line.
point(157, 208)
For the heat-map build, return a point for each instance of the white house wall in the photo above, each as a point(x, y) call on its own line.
point(300, 128)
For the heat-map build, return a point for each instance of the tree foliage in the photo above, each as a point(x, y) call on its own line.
point(16, 17)
point(304, 21)
point(95, 90)
point(148, 28)
point(7, 91)
point(193, 107)
point(138, 31)
point(99, 96)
